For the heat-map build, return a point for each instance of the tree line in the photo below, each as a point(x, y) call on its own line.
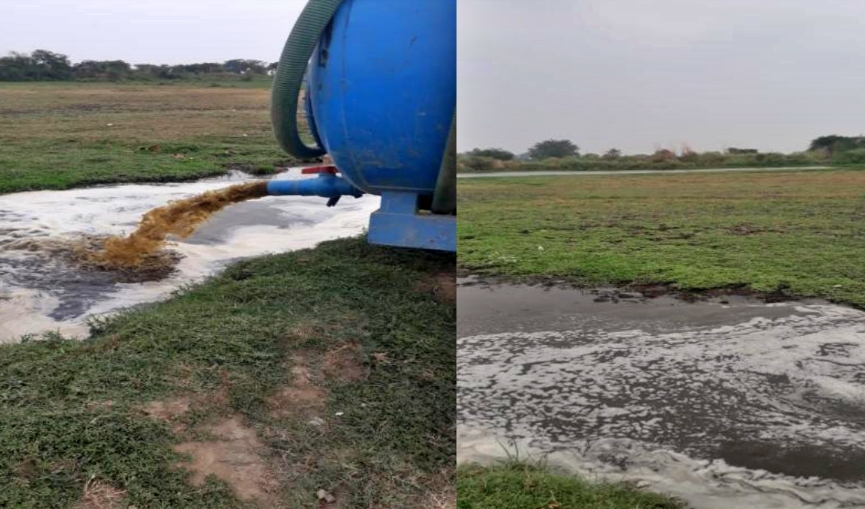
point(548, 149)
point(44, 65)
point(564, 154)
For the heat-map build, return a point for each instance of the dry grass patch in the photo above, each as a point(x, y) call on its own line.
point(101, 495)
point(442, 492)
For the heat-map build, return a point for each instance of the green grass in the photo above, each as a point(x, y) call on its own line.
point(800, 232)
point(63, 135)
point(520, 485)
point(68, 408)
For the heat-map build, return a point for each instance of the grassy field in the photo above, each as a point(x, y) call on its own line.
point(57, 136)
point(796, 233)
point(319, 378)
point(520, 485)
point(329, 369)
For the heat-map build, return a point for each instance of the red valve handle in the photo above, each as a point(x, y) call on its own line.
point(319, 169)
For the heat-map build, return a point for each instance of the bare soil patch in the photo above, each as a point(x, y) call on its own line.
point(443, 286)
point(234, 456)
point(344, 362)
point(168, 410)
point(303, 398)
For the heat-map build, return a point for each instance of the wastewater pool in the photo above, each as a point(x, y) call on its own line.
point(727, 403)
point(40, 293)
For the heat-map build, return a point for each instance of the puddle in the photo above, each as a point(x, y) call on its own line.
point(40, 293)
point(733, 404)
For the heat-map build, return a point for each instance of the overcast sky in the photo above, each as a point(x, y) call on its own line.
point(150, 31)
point(636, 75)
point(631, 74)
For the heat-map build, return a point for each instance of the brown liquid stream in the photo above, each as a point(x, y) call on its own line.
point(140, 256)
point(179, 218)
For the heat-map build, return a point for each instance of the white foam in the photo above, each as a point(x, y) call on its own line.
point(787, 382)
point(116, 210)
point(24, 311)
point(703, 484)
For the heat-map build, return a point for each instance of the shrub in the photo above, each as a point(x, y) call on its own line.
point(713, 159)
point(689, 156)
point(494, 153)
point(855, 156)
point(612, 154)
point(663, 155)
point(475, 163)
point(553, 148)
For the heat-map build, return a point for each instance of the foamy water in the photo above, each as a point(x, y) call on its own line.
point(742, 406)
point(703, 484)
point(39, 295)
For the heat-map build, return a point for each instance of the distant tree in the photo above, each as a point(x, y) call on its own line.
point(553, 148)
point(688, 154)
point(734, 150)
point(168, 72)
point(159, 72)
point(836, 143)
point(111, 70)
point(663, 155)
point(51, 66)
point(494, 153)
point(826, 142)
point(212, 68)
point(15, 67)
point(244, 66)
point(612, 154)
point(41, 65)
point(116, 70)
point(87, 69)
point(203, 68)
point(145, 71)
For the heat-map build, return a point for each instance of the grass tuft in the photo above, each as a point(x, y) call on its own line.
point(519, 484)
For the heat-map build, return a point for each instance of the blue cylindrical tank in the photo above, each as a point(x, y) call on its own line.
point(381, 87)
